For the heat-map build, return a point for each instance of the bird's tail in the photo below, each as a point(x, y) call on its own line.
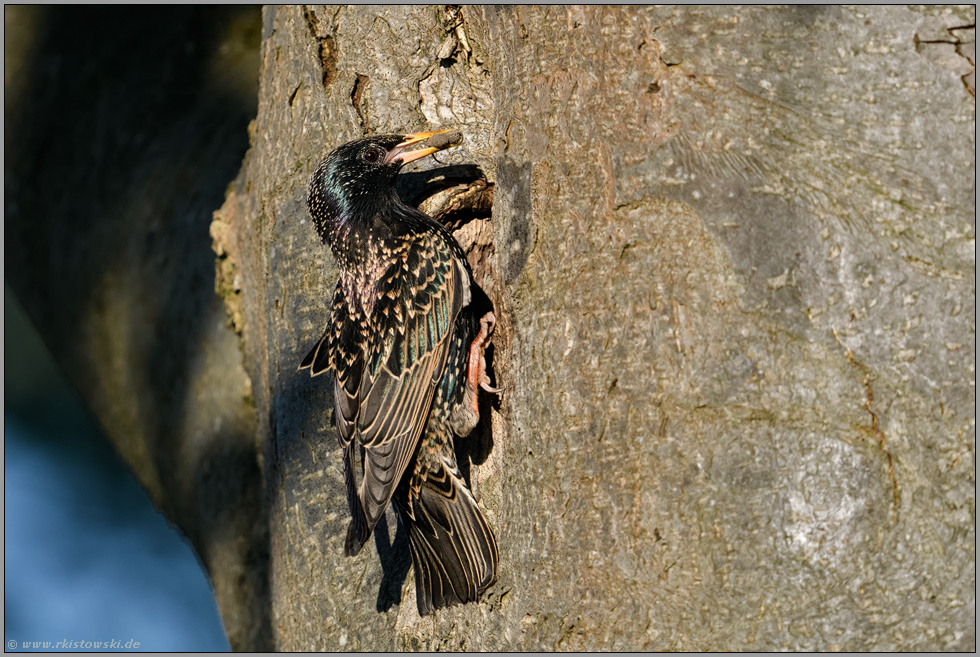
point(454, 552)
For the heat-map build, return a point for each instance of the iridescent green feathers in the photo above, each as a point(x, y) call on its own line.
point(388, 353)
point(396, 347)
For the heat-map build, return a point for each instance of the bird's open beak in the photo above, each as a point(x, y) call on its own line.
point(436, 140)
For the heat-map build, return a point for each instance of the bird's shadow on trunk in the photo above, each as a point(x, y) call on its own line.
point(414, 187)
point(395, 557)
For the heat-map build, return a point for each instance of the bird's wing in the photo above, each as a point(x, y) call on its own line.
point(340, 349)
point(386, 378)
point(425, 292)
point(319, 360)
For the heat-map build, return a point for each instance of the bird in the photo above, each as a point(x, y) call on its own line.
point(405, 346)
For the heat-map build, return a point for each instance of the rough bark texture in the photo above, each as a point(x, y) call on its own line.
point(732, 256)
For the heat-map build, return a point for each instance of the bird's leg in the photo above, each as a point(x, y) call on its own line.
point(467, 415)
point(477, 375)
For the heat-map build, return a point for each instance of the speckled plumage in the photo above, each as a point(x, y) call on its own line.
point(397, 345)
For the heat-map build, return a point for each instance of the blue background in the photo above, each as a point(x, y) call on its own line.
point(86, 556)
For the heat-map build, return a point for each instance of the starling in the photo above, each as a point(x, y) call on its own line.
point(405, 347)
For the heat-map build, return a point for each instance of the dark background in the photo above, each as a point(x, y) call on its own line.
point(113, 118)
point(86, 557)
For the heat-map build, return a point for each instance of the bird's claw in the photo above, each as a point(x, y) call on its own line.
point(489, 388)
point(485, 382)
point(477, 370)
point(467, 415)
point(487, 324)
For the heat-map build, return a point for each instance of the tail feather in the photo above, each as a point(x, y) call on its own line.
point(454, 552)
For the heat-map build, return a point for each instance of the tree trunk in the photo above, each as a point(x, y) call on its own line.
point(731, 252)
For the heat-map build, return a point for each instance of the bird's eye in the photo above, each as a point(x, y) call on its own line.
point(372, 155)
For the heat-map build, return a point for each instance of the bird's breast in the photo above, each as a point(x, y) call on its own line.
point(361, 288)
point(378, 270)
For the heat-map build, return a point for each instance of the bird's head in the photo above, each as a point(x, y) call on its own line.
point(357, 178)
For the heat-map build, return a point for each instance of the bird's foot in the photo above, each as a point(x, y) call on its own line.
point(477, 375)
point(468, 414)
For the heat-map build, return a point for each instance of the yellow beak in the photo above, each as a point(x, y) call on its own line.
point(397, 154)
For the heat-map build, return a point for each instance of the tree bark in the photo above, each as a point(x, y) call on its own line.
point(733, 264)
point(731, 253)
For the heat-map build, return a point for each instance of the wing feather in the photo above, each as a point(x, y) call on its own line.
point(395, 403)
point(386, 377)
point(394, 394)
